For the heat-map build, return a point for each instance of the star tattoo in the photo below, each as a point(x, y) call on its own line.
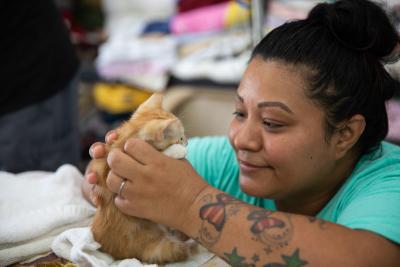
point(294, 260)
point(233, 258)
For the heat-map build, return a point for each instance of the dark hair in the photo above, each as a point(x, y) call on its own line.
point(342, 46)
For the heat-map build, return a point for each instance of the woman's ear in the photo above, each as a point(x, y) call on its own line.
point(348, 134)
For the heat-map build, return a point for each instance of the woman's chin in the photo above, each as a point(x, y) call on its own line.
point(255, 187)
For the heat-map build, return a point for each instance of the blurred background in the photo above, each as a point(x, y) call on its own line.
point(193, 50)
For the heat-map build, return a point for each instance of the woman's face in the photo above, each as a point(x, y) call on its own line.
point(277, 133)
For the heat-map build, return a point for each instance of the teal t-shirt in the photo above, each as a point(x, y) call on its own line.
point(369, 199)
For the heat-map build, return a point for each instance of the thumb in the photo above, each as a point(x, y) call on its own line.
point(142, 151)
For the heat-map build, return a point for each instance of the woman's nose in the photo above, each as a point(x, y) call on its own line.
point(247, 137)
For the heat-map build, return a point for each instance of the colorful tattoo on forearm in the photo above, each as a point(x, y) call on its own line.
point(235, 260)
point(214, 215)
point(275, 231)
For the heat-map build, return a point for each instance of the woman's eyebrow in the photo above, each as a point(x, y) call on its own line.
point(268, 104)
point(238, 97)
point(274, 104)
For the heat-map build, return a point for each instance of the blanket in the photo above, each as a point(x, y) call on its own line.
point(37, 206)
point(78, 245)
point(42, 212)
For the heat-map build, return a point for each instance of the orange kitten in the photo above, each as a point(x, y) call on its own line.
point(124, 236)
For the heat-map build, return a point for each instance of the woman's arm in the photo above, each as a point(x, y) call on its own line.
point(170, 192)
point(244, 235)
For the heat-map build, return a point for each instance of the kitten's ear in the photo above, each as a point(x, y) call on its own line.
point(165, 127)
point(170, 127)
point(156, 130)
point(153, 102)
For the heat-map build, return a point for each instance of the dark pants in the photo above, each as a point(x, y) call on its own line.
point(42, 136)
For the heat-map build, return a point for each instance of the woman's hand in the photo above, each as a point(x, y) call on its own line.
point(157, 187)
point(96, 151)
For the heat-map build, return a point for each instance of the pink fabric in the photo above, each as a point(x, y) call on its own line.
point(208, 18)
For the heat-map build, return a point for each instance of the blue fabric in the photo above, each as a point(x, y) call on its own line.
point(369, 199)
point(157, 26)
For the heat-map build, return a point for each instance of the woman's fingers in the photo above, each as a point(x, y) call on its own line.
point(89, 186)
point(124, 205)
point(142, 151)
point(123, 165)
point(91, 177)
point(93, 196)
point(114, 182)
point(97, 150)
point(111, 136)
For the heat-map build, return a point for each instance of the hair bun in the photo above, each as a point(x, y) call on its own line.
point(359, 25)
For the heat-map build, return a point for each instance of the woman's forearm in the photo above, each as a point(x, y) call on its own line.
point(244, 235)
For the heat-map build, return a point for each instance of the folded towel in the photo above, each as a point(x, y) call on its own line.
point(21, 251)
point(36, 206)
point(78, 246)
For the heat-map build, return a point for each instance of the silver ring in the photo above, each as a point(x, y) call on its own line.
point(121, 187)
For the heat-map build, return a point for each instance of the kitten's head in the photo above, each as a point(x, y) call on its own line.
point(157, 126)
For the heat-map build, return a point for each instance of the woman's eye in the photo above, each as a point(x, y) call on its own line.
point(238, 114)
point(272, 125)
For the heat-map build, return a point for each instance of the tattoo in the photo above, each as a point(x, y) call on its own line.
point(214, 215)
point(235, 260)
point(290, 261)
point(255, 258)
point(207, 198)
point(272, 230)
point(233, 210)
point(321, 223)
point(268, 250)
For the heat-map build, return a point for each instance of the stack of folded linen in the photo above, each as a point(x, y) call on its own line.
point(37, 206)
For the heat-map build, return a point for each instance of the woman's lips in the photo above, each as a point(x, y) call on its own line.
point(248, 167)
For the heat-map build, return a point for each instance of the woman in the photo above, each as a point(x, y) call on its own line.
point(317, 186)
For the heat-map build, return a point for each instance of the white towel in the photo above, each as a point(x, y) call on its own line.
point(35, 207)
point(78, 246)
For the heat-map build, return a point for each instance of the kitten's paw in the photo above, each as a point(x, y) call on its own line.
point(176, 151)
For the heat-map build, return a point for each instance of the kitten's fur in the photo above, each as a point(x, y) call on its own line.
point(125, 236)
